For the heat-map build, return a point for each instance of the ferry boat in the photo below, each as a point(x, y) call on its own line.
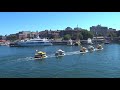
point(59, 53)
point(34, 42)
point(91, 48)
point(40, 55)
point(83, 50)
point(99, 47)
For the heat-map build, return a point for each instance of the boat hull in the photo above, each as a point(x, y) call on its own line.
point(98, 49)
point(58, 55)
point(83, 52)
point(34, 44)
point(37, 58)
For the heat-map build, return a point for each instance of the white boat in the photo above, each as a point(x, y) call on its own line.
point(70, 43)
point(91, 48)
point(34, 42)
point(89, 41)
point(60, 53)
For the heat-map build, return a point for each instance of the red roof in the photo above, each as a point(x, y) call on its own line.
point(2, 40)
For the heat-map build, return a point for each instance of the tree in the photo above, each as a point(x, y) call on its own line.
point(99, 34)
point(68, 28)
point(77, 36)
point(51, 37)
point(86, 34)
point(80, 36)
point(112, 34)
point(74, 37)
point(67, 37)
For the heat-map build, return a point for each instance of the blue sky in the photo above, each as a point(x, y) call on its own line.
point(13, 22)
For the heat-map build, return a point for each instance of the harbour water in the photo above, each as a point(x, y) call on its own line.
point(18, 62)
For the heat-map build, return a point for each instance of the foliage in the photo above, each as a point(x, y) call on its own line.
point(118, 33)
point(111, 34)
point(68, 28)
point(67, 37)
point(86, 34)
point(77, 36)
point(51, 37)
point(99, 34)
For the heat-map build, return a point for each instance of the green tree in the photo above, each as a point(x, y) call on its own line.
point(77, 36)
point(112, 34)
point(74, 37)
point(80, 36)
point(118, 33)
point(86, 34)
point(67, 37)
point(51, 37)
point(99, 34)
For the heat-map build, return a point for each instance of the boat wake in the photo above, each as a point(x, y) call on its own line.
point(98, 49)
point(25, 59)
point(68, 53)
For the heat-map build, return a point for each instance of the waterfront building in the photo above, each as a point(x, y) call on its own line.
point(70, 31)
point(111, 30)
point(25, 34)
point(99, 30)
point(1, 37)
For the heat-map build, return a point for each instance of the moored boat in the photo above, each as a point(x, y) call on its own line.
point(70, 42)
point(34, 42)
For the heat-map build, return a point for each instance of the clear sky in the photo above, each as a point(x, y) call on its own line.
point(13, 22)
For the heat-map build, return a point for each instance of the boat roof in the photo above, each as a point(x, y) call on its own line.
point(40, 52)
point(60, 50)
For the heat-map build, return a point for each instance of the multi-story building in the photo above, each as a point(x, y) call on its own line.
point(33, 34)
point(49, 34)
point(70, 31)
point(99, 30)
point(1, 37)
point(43, 34)
point(77, 28)
point(23, 34)
point(111, 30)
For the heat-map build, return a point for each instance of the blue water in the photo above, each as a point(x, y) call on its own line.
point(18, 62)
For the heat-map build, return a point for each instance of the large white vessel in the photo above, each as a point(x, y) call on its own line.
point(34, 42)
